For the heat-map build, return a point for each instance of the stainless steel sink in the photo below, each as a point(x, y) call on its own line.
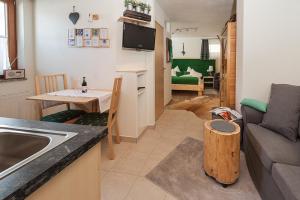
point(19, 146)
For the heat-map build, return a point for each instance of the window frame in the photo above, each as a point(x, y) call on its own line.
point(11, 32)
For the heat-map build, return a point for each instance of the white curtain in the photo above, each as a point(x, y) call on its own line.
point(4, 60)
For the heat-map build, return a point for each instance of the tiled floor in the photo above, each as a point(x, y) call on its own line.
point(123, 178)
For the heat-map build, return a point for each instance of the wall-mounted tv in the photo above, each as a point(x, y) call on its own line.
point(138, 37)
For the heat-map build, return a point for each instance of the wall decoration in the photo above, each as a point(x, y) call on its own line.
point(104, 43)
point(87, 43)
point(93, 17)
point(87, 35)
point(183, 51)
point(169, 49)
point(103, 33)
point(95, 37)
point(72, 34)
point(74, 16)
point(89, 38)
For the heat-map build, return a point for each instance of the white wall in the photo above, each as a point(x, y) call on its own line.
point(268, 46)
point(13, 95)
point(192, 47)
point(98, 65)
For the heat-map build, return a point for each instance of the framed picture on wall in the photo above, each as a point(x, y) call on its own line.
point(169, 48)
point(104, 43)
point(104, 34)
point(88, 38)
point(87, 33)
point(72, 34)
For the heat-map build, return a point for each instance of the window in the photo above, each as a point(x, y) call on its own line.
point(4, 60)
point(214, 48)
point(8, 41)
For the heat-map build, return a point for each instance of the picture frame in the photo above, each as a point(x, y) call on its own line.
point(169, 49)
point(87, 34)
point(104, 34)
point(88, 38)
point(104, 43)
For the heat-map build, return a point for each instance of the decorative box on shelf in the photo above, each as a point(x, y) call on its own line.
point(137, 15)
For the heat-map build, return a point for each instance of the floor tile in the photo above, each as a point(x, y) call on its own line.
point(145, 145)
point(116, 186)
point(131, 164)
point(152, 161)
point(143, 189)
point(121, 151)
point(124, 177)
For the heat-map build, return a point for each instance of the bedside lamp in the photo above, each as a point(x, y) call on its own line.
point(210, 70)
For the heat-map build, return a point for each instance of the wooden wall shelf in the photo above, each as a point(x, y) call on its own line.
point(132, 20)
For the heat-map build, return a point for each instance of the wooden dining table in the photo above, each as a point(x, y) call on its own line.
point(77, 100)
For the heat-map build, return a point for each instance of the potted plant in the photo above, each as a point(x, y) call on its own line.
point(128, 4)
point(134, 4)
point(143, 7)
point(148, 9)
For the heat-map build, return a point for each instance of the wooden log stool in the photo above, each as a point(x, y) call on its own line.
point(222, 151)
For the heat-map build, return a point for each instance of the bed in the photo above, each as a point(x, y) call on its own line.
point(190, 83)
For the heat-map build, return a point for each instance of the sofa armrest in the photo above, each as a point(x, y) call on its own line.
point(250, 115)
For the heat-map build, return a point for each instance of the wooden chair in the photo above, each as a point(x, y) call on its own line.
point(107, 119)
point(53, 83)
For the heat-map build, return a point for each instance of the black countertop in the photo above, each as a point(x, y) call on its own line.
point(24, 181)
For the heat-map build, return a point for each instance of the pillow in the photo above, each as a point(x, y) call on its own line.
point(196, 74)
point(258, 105)
point(176, 69)
point(182, 73)
point(283, 111)
point(173, 72)
point(186, 75)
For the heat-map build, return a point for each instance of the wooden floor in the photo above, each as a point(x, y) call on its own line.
point(202, 110)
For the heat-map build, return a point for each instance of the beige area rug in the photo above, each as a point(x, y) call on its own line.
point(181, 174)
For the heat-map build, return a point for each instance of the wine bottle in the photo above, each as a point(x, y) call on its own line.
point(84, 85)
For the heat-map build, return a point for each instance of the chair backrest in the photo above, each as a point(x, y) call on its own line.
point(115, 99)
point(48, 84)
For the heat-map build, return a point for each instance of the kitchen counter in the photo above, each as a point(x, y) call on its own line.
point(26, 180)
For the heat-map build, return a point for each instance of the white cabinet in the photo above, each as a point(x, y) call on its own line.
point(133, 103)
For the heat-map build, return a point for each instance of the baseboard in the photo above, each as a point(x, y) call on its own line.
point(135, 140)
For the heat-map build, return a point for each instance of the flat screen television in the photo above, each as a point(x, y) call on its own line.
point(138, 37)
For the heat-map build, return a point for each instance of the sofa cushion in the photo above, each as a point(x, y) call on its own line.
point(273, 148)
point(287, 178)
point(256, 104)
point(283, 111)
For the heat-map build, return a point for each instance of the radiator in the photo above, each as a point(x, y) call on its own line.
point(15, 105)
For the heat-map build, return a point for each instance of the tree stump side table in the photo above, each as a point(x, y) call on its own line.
point(221, 159)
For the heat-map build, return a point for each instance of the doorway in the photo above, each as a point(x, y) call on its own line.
point(159, 71)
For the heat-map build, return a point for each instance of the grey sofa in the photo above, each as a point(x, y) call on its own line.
point(273, 160)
